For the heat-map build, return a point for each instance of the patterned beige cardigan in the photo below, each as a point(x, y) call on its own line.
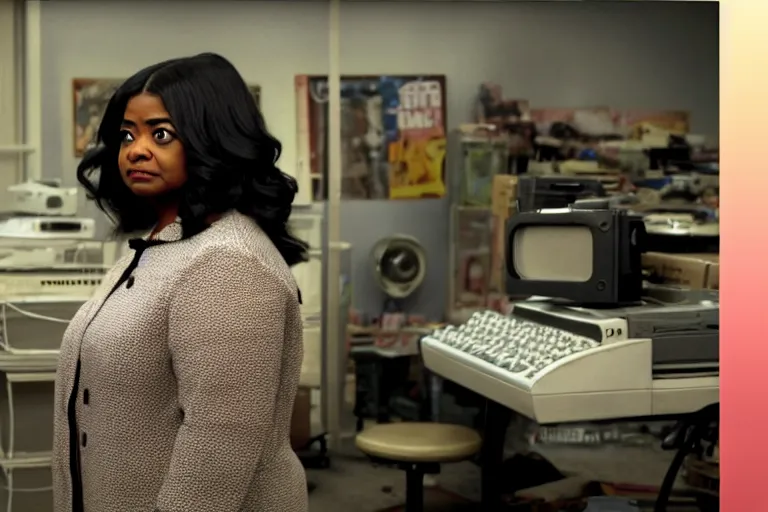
point(176, 381)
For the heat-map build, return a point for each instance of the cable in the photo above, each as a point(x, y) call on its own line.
point(692, 431)
point(11, 419)
point(33, 315)
point(28, 489)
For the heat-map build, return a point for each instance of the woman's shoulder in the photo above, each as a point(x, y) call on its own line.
point(236, 243)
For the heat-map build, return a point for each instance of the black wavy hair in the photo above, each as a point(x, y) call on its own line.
point(231, 157)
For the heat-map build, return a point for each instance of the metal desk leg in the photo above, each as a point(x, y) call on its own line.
point(497, 418)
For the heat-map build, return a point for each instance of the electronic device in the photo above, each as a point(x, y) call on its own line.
point(587, 253)
point(682, 229)
point(46, 256)
point(592, 343)
point(541, 192)
point(46, 198)
point(400, 265)
point(558, 363)
point(47, 228)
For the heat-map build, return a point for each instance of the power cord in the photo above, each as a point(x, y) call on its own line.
point(691, 434)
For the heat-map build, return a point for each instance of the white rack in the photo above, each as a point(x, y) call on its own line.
point(21, 368)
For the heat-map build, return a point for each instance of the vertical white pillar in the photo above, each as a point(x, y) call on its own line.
point(335, 348)
point(33, 116)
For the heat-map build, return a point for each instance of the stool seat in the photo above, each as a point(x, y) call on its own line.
point(419, 442)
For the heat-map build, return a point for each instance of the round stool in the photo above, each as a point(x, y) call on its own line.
point(419, 449)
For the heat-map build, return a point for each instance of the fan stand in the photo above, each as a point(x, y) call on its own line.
point(393, 305)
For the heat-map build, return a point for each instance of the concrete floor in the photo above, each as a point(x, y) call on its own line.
point(353, 484)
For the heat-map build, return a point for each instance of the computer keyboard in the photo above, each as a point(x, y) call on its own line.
point(518, 346)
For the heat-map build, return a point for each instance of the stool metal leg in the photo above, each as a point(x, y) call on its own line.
point(497, 418)
point(414, 489)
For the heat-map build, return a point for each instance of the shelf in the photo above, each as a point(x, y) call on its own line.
point(33, 376)
point(26, 461)
point(16, 149)
point(30, 366)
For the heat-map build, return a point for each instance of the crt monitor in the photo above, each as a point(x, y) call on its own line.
point(586, 253)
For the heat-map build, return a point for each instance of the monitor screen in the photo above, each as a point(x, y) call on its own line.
point(553, 253)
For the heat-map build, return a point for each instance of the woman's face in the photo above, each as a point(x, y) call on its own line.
point(151, 159)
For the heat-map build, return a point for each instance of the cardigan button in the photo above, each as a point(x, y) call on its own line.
point(129, 282)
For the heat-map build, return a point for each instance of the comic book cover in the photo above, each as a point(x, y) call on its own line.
point(392, 136)
point(416, 135)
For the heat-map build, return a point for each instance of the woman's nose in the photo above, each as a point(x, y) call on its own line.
point(139, 150)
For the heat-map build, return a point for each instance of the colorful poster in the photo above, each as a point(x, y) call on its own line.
point(393, 136)
point(414, 121)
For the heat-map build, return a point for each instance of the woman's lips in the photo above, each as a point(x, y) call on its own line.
point(138, 175)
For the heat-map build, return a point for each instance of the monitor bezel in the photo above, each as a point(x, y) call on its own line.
point(600, 288)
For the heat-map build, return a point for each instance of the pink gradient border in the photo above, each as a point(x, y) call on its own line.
point(744, 266)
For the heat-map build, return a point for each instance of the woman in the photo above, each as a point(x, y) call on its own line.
point(176, 381)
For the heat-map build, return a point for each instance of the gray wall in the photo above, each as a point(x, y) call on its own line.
point(621, 54)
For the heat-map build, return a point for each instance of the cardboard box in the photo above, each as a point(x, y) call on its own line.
point(503, 198)
point(694, 271)
point(301, 429)
point(503, 194)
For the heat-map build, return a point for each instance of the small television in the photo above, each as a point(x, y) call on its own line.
point(585, 253)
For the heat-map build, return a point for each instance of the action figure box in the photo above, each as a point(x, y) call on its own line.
point(502, 207)
point(471, 259)
point(485, 157)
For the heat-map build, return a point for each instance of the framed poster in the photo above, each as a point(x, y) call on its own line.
point(393, 135)
point(90, 98)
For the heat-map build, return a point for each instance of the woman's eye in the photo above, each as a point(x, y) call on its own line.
point(125, 136)
point(163, 135)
